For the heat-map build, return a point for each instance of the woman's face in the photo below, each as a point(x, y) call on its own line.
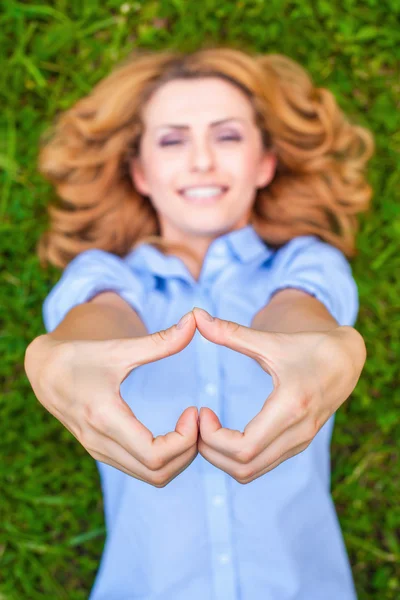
point(200, 138)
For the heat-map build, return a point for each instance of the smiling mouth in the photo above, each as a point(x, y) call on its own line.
point(203, 198)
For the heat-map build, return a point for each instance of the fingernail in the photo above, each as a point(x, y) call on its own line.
point(185, 319)
point(205, 314)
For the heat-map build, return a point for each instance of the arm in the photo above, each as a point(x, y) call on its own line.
point(76, 372)
point(315, 364)
point(106, 316)
point(292, 310)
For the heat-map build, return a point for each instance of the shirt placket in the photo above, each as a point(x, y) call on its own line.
point(215, 480)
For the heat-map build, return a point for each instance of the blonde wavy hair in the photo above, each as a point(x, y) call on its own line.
point(319, 186)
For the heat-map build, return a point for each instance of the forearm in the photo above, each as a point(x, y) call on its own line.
point(92, 321)
point(291, 310)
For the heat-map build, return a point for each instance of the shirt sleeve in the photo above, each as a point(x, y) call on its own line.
point(89, 273)
point(322, 270)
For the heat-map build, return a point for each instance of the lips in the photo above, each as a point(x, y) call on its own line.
point(224, 188)
point(204, 200)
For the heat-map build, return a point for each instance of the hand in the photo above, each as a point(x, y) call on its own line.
point(313, 374)
point(78, 381)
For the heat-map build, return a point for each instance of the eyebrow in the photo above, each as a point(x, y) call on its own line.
point(179, 126)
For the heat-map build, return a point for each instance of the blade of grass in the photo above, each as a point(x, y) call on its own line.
point(37, 10)
point(9, 161)
point(84, 537)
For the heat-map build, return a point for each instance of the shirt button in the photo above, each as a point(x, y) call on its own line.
point(211, 389)
point(218, 500)
point(224, 558)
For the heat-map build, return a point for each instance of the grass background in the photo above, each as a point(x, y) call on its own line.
point(51, 524)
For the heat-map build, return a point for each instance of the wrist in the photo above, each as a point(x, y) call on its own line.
point(352, 343)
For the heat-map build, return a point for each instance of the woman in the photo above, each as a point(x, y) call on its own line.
point(227, 182)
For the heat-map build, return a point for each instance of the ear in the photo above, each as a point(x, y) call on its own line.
point(267, 169)
point(138, 176)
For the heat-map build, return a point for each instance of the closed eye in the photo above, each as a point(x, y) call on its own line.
point(171, 143)
point(230, 138)
point(222, 139)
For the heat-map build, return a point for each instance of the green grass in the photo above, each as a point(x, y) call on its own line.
point(51, 524)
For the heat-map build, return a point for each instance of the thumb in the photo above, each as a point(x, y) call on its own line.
point(208, 421)
point(252, 342)
point(187, 424)
point(163, 343)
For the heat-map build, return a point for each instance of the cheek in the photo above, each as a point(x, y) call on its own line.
point(161, 166)
point(166, 169)
point(243, 168)
point(241, 161)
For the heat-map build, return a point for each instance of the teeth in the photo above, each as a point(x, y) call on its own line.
point(203, 192)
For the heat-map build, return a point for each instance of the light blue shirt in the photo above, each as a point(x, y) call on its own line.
point(204, 536)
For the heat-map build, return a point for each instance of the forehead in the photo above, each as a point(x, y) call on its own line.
point(203, 100)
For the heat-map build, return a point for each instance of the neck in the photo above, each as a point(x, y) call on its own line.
point(193, 258)
point(197, 246)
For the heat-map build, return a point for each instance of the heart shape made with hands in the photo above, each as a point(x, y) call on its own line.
point(313, 374)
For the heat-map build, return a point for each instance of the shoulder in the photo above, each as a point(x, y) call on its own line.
point(308, 250)
point(90, 273)
point(320, 269)
point(95, 257)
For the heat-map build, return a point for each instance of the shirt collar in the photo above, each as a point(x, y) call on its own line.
point(241, 245)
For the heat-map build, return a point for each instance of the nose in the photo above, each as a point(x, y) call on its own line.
point(202, 158)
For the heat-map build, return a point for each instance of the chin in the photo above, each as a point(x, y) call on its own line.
point(212, 230)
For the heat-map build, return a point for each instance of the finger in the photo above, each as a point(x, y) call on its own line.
point(253, 343)
point(116, 456)
point(241, 472)
point(221, 439)
point(284, 445)
point(166, 342)
point(120, 424)
point(282, 459)
point(278, 414)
